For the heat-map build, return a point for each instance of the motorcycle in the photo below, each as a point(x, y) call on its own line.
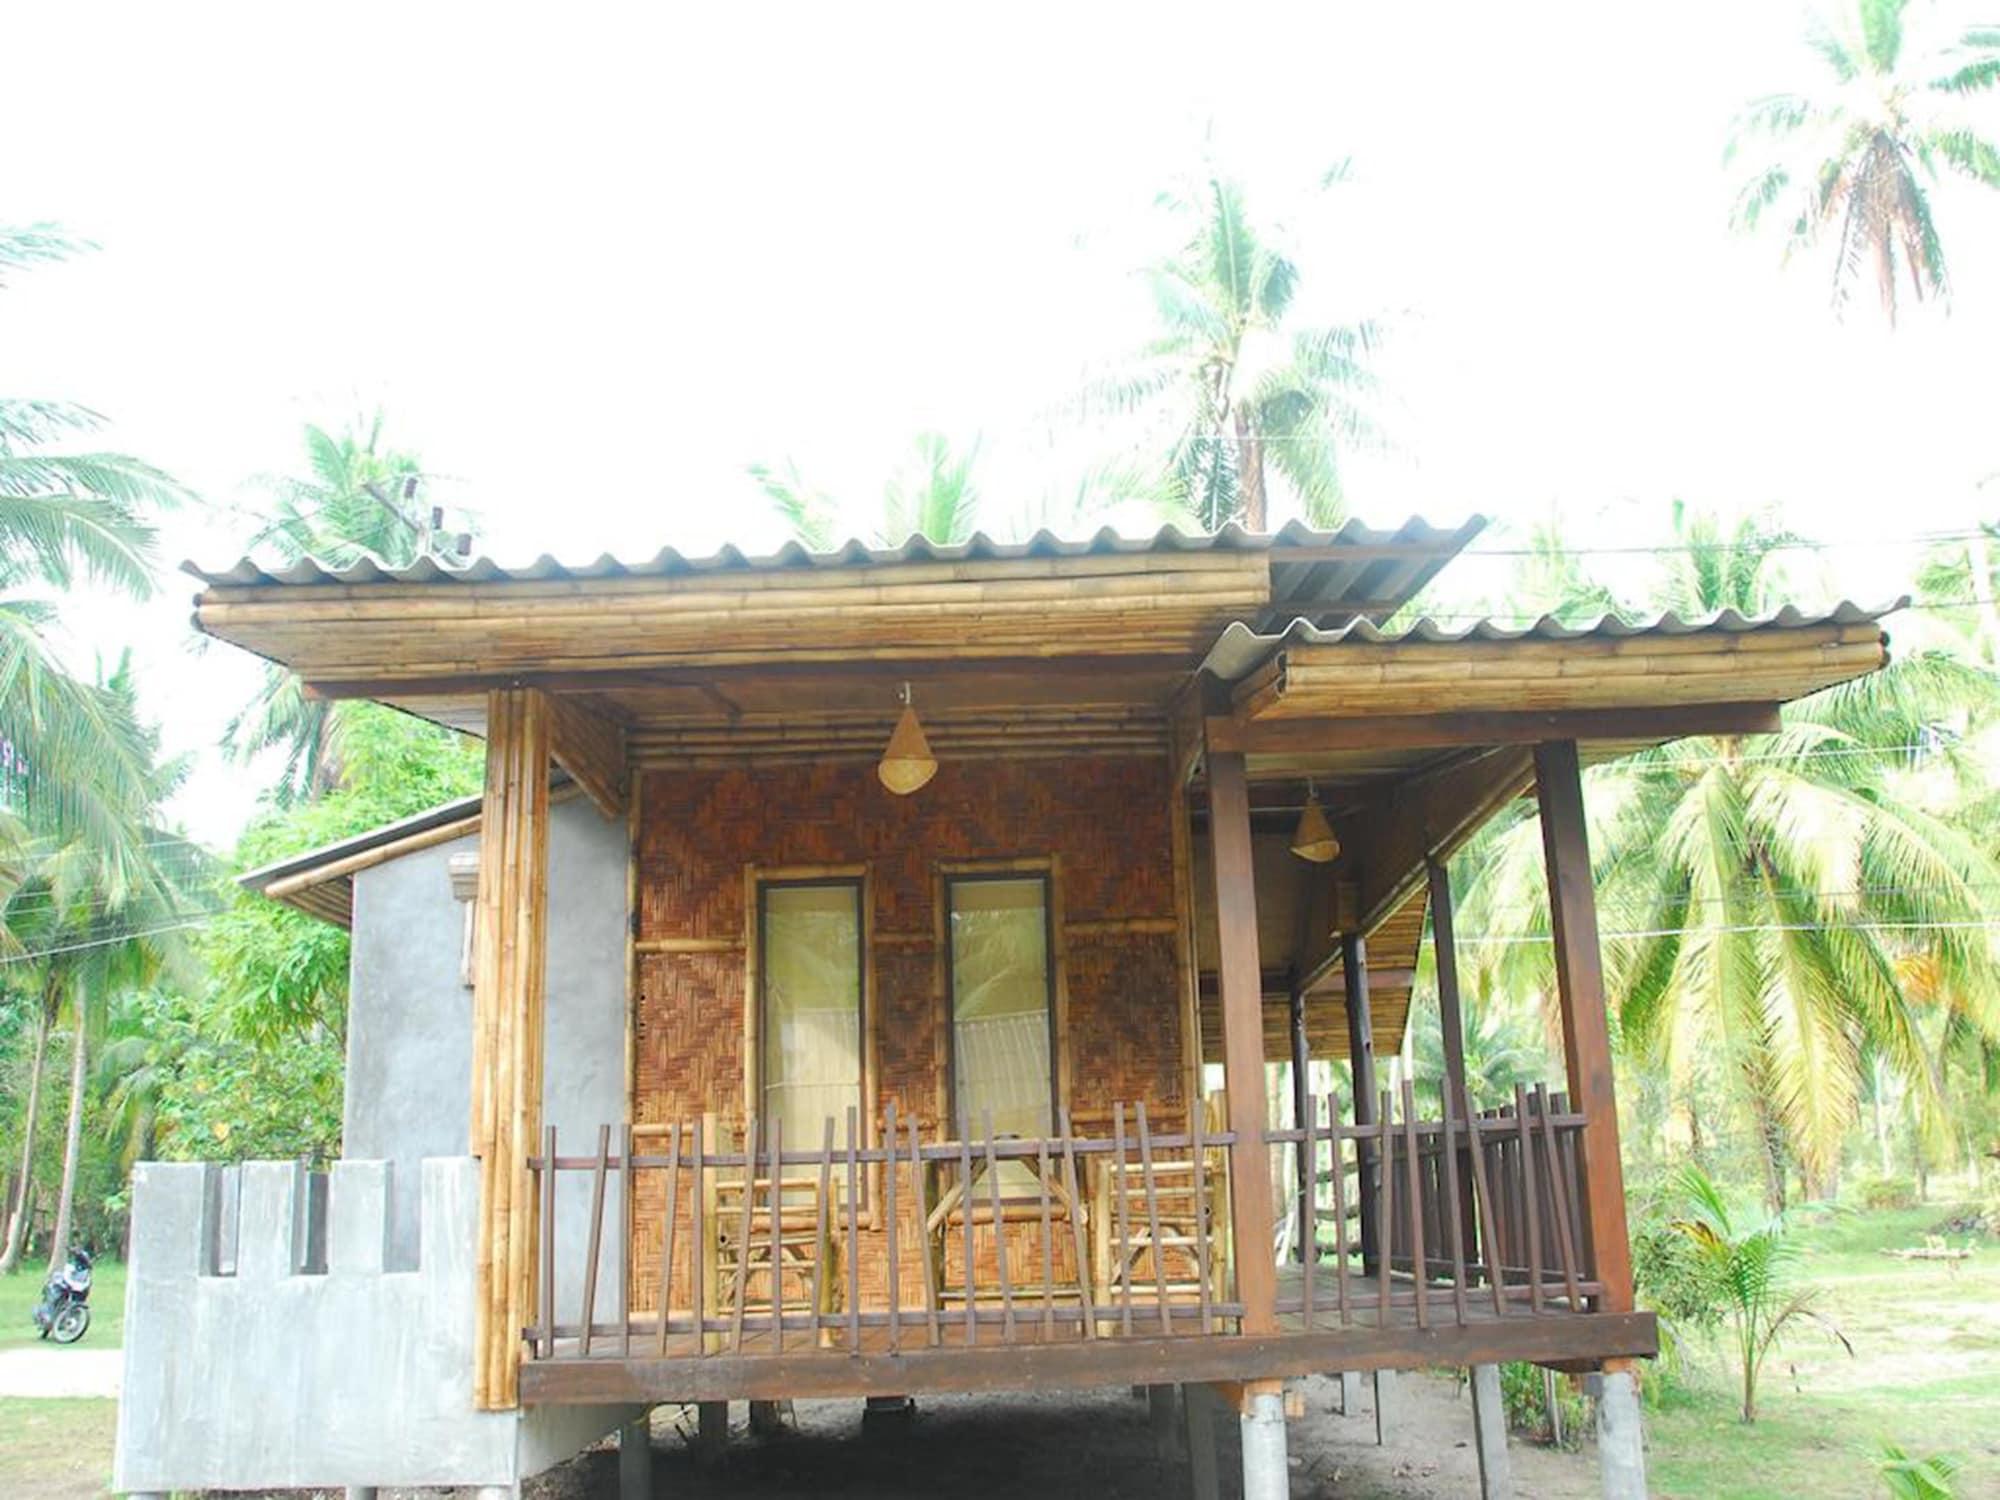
point(64, 1311)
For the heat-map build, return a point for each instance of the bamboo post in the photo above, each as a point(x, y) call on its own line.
point(507, 1031)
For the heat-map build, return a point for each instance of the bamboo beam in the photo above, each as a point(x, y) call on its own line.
point(591, 748)
point(507, 1031)
point(1242, 1041)
point(1456, 727)
point(1586, 1038)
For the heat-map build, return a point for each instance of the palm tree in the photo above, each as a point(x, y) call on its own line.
point(1761, 895)
point(934, 496)
point(1238, 397)
point(69, 515)
point(1750, 1271)
point(97, 938)
point(358, 498)
point(1859, 157)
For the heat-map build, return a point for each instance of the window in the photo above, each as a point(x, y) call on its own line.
point(1002, 994)
point(809, 967)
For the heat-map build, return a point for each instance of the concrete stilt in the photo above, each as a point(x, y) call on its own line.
point(1385, 1407)
point(711, 1434)
point(635, 1459)
point(888, 1416)
point(1489, 1434)
point(1350, 1393)
point(768, 1418)
point(1198, 1417)
point(1266, 1470)
point(1621, 1448)
point(360, 1492)
point(1163, 1419)
point(497, 1492)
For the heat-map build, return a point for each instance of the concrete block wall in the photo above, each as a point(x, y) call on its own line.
point(284, 1376)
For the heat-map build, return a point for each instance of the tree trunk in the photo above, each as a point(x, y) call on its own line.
point(1250, 474)
point(1881, 1118)
point(17, 1222)
point(1771, 1143)
point(72, 1144)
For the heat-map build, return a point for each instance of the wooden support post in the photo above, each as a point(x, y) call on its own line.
point(507, 1030)
point(1451, 1023)
point(1361, 1060)
point(711, 1433)
point(1302, 1114)
point(1586, 1039)
point(1240, 983)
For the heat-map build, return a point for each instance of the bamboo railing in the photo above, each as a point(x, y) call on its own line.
point(1478, 1218)
point(881, 1241)
point(780, 1234)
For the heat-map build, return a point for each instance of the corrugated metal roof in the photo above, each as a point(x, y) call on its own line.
point(1241, 650)
point(1415, 534)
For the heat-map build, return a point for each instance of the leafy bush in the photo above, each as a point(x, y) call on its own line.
point(1880, 1194)
point(1524, 1393)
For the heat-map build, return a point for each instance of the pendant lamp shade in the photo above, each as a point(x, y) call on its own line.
point(1313, 839)
point(907, 763)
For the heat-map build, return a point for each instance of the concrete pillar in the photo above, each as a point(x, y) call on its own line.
point(1489, 1434)
point(1385, 1403)
point(1621, 1449)
point(1198, 1417)
point(635, 1459)
point(1163, 1420)
point(361, 1492)
point(497, 1492)
point(711, 1433)
point(1350, 1393)
point(767, 1418)
point(1266, 1470)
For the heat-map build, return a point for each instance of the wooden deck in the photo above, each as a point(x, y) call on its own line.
point(1031, 1356)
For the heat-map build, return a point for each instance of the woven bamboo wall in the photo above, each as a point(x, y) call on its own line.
point(1104, 819)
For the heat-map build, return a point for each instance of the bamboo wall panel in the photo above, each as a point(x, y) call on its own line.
point(1104, 819)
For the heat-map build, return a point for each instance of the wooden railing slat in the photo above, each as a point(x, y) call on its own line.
point(667, 1241)
point(1122, 1272)
point(1048, 1243)
point(776, 1157)
point(1076, 1226)
point(1202, 1271)
point(596, 1240)
point(743, 1236)
point(889, 1217)
point(1385, 1217)
point(822, 1233)
point(999, 1232)
point(1457, 1215)
point(923, 1219)
point(1531, 1218)
point(1153, 1219)
point(548, 1186)
point(851, 1219)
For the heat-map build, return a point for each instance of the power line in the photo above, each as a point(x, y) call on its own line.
point(1508, 939)
point(105, 942)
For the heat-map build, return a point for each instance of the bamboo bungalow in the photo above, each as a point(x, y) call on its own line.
point(874, 959)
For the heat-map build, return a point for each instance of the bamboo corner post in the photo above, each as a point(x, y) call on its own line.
point(507, 1032)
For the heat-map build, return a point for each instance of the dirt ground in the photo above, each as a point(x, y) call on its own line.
point(1056, 1444)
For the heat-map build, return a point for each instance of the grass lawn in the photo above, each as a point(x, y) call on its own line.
point(1925, 1375)
point(20, 1292)
point(55, 1450)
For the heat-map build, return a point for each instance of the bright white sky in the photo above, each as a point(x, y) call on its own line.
point(595, 260)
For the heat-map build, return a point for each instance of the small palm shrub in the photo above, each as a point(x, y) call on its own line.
point(1909, 1478)
point(1752, 1271)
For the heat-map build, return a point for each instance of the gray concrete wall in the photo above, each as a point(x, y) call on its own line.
point(264, 1366)
point(273, 1378)
point(409, 1025)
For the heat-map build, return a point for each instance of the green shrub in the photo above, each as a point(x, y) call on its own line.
point(1879, 1194)
point(1907, 1477)
point(1524, 1392)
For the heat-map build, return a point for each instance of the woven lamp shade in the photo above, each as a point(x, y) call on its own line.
point(907, 763)
point(1313, 839)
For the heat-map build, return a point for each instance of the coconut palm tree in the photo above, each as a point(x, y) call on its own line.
point(358, 497)
point(96, 934)
point(1761, 895)
point(1857, 159)
point(70, 514)
point(1236, 397)
point(934, 495)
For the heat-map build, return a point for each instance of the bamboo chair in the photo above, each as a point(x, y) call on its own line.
point(770, 1264)
point(1129, 1266)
